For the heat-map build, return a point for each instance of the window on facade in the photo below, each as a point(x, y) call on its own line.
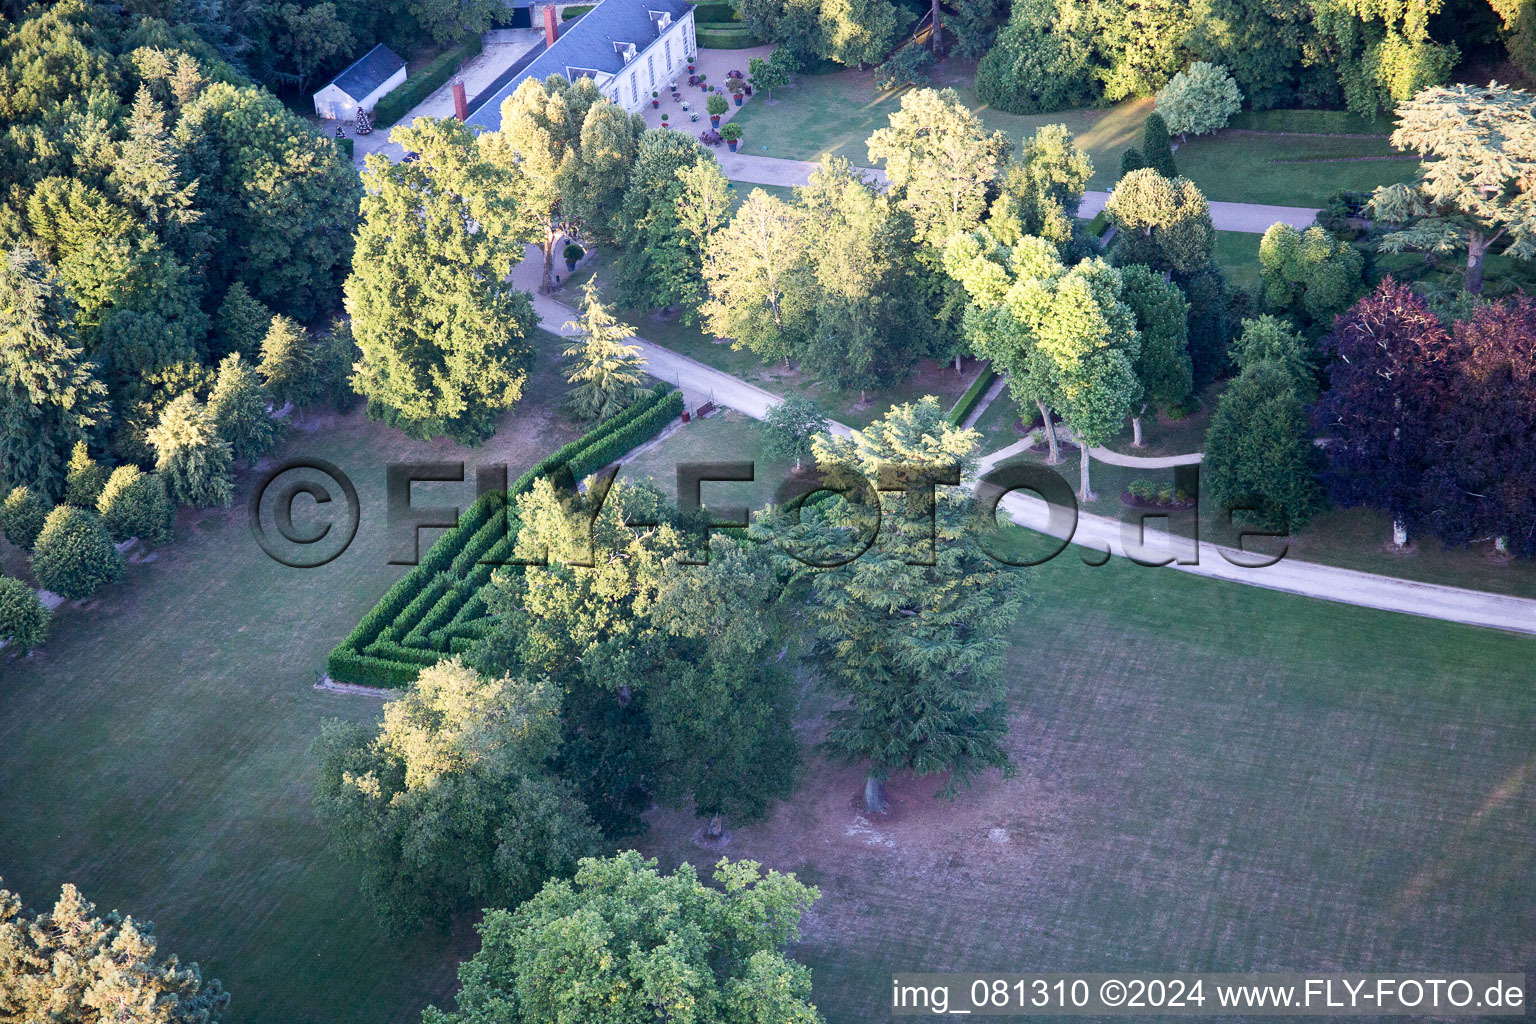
point(634, 87)
point(667, 46)
point(650, 68)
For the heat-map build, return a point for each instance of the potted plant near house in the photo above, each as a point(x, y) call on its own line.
point(736, 86)
point(573, 255)
point(664, 121)
point(731, 133)
point(691, 65)
point(716, 106)
point(710, 138)
point(702, 84)
point(655, 99)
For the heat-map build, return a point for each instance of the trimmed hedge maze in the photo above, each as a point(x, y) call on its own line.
point(437, 610)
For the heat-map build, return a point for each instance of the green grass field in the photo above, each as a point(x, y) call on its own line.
point(834, 115)
point(155, 750)
point(1211, 777)
point(1237, 254)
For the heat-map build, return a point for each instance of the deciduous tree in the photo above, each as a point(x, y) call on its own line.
point(450, 805)
point(622, 942)
point(1199, 100)
point(757, 274)
point(791, 426)
point(1162, 365)
point(1162, 222)
point(1309, 274)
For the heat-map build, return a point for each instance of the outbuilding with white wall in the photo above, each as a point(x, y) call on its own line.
point(372, 77)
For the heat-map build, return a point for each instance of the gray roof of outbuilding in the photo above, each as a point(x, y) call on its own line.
point(370, 71)
point(586, 44)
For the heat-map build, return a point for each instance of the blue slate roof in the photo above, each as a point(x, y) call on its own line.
point(370, 71)
point(586, 44)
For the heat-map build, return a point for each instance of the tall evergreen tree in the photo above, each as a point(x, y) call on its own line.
point(190, 456)
point(238, 403)
point(241, 324)
point(67, 963)
point(1162, 365)
point(910, 633)
point(148, 173)
point(1157, 147)
point(1259, 455)
point(85, 477)
point(73, 557)
point(287, 365)
point(607, 374)
point(443, 336)
point(50, 398)
point(1475, 186)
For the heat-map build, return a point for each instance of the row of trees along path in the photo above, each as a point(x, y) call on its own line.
point(1113, 537)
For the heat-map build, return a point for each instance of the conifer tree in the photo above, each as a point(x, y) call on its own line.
point(190, 456)
point(288, 362)
point(22, 515)
point(607, 375)
point(239, 407)
point(49, 395)
point(241, 324)
point(134, 504)
point(85, 478)
point(68, 963)
point(911, 632)
point(73, 556)
point(147, 173)
point(23, 623)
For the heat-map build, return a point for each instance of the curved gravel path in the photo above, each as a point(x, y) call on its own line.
point(1111, 536)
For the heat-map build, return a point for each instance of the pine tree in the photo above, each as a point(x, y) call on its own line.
point(147, 173)
point(22, 515)
point(241, 324)
point(288, 362)
point(86, 476)
point(191, 457)
point(1260, 461)
point(914, 649)
point(239, 407)
point(49, 395)
point(68, 964)
point(134, 504)
point(23, 619)
point(607, 374)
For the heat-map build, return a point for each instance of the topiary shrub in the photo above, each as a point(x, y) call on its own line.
point(23, 619)
point(22, 516)
point(1157, 147)
point(1131, 160)
point(134, 504)
point(73, 556)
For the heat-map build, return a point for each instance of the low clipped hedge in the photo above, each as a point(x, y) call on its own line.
point(715, 14)
point(726, 37)
point(575, 11)
point(436, 609)
point(424, 83)
point(1315, 122)
point(972, 396)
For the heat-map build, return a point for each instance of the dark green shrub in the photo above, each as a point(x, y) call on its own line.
point(134, 504)
point(973, 395)
point(1131, 160)
point(23, 619)
point(73, 556)
point(424, 83)
point(22, 516)
point(1157, 147)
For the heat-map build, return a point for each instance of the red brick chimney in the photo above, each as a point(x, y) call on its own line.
point(460, 102)
point(551, 25)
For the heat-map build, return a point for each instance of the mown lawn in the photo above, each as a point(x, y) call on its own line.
point(1237, 254)
point(1212, 777)
point(155, 750)
point(834, 115)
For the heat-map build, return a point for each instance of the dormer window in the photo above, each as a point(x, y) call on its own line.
point(626, 51)
point(663, 20)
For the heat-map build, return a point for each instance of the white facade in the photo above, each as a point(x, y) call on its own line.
point(653, 67)
point(333, 101)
